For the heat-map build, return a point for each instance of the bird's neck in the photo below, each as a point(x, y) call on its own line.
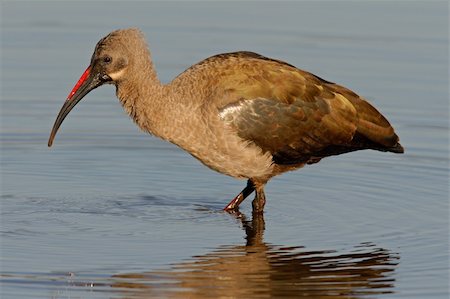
point(148, 102)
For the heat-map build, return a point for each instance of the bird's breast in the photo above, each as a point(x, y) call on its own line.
point(209, 139)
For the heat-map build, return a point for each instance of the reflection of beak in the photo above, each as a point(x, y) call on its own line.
point(85, 84)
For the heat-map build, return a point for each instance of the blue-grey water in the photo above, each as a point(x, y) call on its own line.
point(110, 212)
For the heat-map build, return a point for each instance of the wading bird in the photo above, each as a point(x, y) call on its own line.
point(241, 114)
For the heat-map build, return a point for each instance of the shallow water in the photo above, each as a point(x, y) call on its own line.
point(110, 212)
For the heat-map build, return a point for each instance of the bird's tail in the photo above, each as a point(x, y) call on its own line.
point(398, 149)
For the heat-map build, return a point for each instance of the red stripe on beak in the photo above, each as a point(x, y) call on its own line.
point(80, 82)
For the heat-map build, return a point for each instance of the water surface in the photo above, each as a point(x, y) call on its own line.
point(109, 212)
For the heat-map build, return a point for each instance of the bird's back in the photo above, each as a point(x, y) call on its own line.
point(295, 115)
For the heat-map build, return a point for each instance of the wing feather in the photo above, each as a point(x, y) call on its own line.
point(293, 114)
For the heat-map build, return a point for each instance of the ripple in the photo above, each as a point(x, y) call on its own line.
point(255, 268)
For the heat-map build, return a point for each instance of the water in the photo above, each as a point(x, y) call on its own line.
point(110, 212)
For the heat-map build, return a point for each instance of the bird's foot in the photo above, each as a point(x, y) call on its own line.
point(233, 206)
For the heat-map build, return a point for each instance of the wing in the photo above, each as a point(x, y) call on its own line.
point(301, 131)
point(296, 116)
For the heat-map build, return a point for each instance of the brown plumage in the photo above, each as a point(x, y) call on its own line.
point(241, 114)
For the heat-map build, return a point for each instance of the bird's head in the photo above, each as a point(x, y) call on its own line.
point(110, 64)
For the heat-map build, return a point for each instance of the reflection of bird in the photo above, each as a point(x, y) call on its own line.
point(241, 114)
point(260, 270)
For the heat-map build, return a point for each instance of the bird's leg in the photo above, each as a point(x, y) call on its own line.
point(234, 204)
point(260, 198)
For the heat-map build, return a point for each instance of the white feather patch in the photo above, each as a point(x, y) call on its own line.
point(229, 110)
point(117, 74)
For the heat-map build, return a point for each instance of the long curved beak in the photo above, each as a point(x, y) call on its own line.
point(85, 84)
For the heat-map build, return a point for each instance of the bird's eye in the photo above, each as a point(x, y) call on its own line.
point(107, 59)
